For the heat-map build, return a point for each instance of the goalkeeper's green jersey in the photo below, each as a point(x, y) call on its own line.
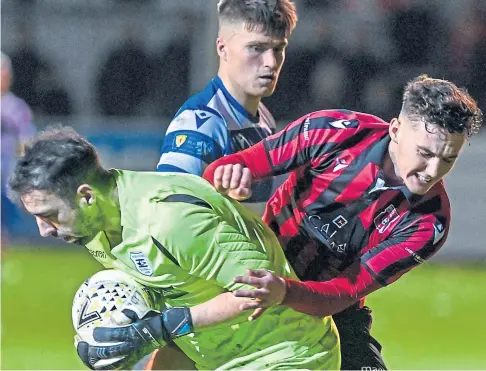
point(188, 242)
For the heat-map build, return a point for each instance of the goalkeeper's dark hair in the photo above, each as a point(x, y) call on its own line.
point(57, 160)
point(441, 103)
point(275, 17)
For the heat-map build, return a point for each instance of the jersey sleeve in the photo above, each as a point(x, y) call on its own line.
point(416, 238)
point(307, 141)
point(310, 139)
point(194, 139)
point(206, 246)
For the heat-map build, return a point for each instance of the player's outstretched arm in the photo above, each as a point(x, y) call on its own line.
point(360, 279)
point(234, 181)
point(228, 170)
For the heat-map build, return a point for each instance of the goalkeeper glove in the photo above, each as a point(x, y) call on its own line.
point(133, 341)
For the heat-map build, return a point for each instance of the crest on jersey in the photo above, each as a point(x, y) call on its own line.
point(180, 139)
point(385, 218)
point(141, 263)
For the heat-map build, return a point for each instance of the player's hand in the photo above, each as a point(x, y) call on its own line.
point(130, 342)
point(133, 341)
point(270, 289)
point(233, 180)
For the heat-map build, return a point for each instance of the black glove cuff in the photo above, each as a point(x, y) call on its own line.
point(177, 322)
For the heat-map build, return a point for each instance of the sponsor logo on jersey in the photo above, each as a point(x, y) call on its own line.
point(339, 221)
point(180, 139)
point(97, 254)
point(141, 263)
point(341, 247)
point(386, 218)
point(415, 256)
point(306, 128)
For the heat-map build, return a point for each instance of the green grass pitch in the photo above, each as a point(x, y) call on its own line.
point(432, 318)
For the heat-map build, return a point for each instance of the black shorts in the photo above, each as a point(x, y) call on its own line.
point(359, 350)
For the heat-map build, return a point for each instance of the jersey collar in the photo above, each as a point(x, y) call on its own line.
point(219, 84)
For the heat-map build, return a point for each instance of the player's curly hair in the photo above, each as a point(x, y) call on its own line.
point(276, 17)
point(440, 102)
point(57, 160)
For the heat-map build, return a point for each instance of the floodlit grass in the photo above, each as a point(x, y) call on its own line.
point(432, 318)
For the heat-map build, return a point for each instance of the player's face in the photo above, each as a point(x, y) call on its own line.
point(251, 60)
point(424, 154)
point(55, 217)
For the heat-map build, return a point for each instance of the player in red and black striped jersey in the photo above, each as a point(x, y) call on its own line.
point(364, 203)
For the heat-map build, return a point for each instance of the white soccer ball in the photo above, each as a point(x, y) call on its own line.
point(102, 296)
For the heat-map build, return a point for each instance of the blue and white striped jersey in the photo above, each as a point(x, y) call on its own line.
point(212, 124)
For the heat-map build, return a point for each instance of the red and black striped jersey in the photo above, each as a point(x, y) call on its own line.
point(337, 219)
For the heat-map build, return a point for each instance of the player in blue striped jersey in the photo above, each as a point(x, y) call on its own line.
point(228, 116)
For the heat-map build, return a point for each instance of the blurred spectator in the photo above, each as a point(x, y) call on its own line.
point(380, 96)
point(138, 2)
point(122, 84)
point(294, 96)
point(28, 66)
point(415, 30)
point(16, 127)
point(466, 55)
point(312, 5)
point(479, 63)
point(54, 100)
point(171, 69)
point(328, 82)
point(361, 66)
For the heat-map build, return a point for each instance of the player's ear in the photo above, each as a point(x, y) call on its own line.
point(86, 195)
point(221, 48)
point(394, 129)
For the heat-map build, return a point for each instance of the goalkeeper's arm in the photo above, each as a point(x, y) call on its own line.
point(153, 331)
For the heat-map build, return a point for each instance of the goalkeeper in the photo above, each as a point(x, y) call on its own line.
point(176, 234)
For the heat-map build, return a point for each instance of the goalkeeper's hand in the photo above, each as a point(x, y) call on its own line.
point(133, 341)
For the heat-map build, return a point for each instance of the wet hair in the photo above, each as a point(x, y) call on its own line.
point(274, 17)
point(57, 160)
point(441, 103)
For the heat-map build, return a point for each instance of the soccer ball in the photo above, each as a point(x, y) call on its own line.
point(103, 295)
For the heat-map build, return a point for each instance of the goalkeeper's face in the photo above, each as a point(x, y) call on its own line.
point(250, 60)
point(75, 223)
